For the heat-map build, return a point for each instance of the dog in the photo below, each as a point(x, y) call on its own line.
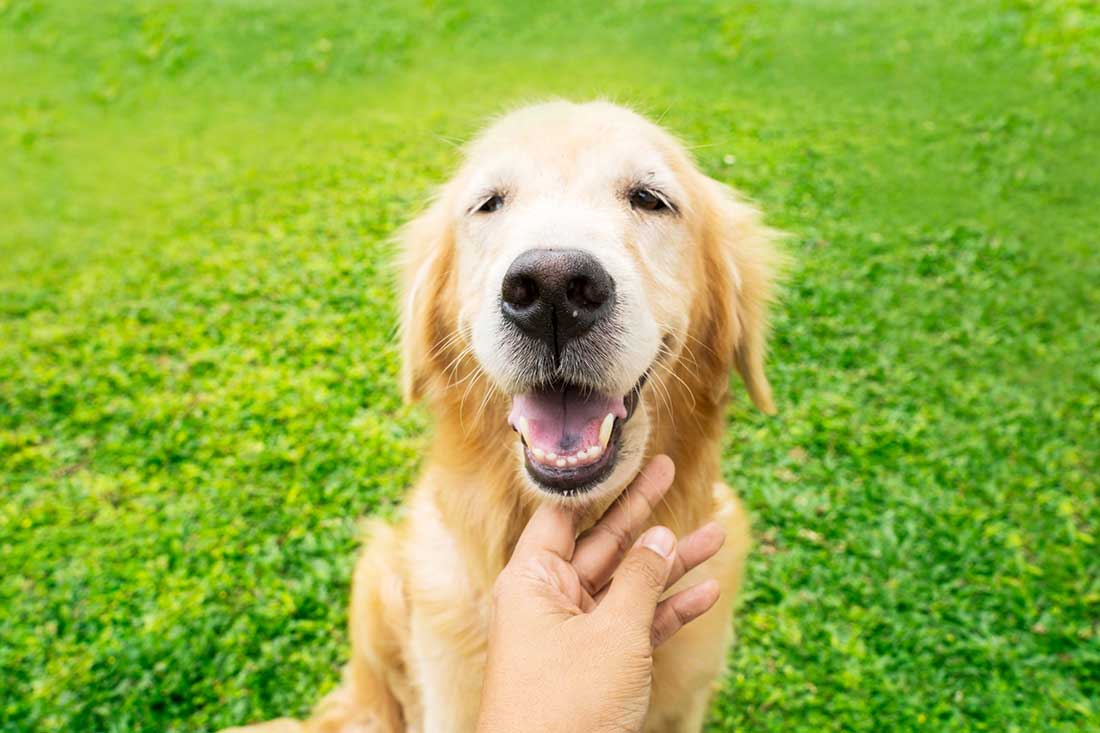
point(574, 301)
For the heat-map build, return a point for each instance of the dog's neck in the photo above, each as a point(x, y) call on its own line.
point(475, 478)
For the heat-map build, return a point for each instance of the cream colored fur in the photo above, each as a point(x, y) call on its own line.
point(420, 598)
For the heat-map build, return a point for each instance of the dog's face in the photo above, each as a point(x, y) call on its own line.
point(576, 255)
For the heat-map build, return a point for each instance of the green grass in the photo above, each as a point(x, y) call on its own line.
point(198, 373)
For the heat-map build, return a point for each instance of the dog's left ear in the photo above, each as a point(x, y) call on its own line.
point(742, 263)
point(427, 264)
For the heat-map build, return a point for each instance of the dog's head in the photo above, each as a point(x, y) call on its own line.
point(581, 267)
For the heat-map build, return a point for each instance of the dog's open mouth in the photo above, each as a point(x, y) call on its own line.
point(571, 434)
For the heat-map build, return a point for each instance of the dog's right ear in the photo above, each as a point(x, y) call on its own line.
point(427, 244)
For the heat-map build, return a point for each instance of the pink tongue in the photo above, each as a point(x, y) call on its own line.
point(564, 421)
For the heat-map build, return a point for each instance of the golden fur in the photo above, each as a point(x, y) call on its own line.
point(419, 603)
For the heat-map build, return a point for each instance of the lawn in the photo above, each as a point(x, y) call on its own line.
point(198, 394)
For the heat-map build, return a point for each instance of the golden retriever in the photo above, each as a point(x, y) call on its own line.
point(574, 301)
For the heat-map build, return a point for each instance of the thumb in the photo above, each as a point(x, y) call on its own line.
point(640, 580)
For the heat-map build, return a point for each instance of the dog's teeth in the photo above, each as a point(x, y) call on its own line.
point(523, 430)
point(571, 460)
point(595, 452)
point(538, 453)
point(560, 463)
point(605, 430)
point(551, 457)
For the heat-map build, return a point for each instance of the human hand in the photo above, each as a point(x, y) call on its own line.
point(573, 629)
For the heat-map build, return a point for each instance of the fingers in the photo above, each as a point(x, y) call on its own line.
point(691, 551)
point(696, 548)
point(682, 608)
point(599, 550)
point(552, 528)
point(641, 579)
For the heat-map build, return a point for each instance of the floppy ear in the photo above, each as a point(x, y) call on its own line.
point(742, 263)
point(427, 259)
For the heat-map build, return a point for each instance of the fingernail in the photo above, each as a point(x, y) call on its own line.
point(660, 540)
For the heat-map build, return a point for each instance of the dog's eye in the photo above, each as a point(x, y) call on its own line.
point(491, 204)
point(647, 200)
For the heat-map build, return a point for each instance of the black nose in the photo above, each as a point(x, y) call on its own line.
point(555, 295)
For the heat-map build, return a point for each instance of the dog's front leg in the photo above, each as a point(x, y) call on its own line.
point(686, 666)
point(449, 665)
